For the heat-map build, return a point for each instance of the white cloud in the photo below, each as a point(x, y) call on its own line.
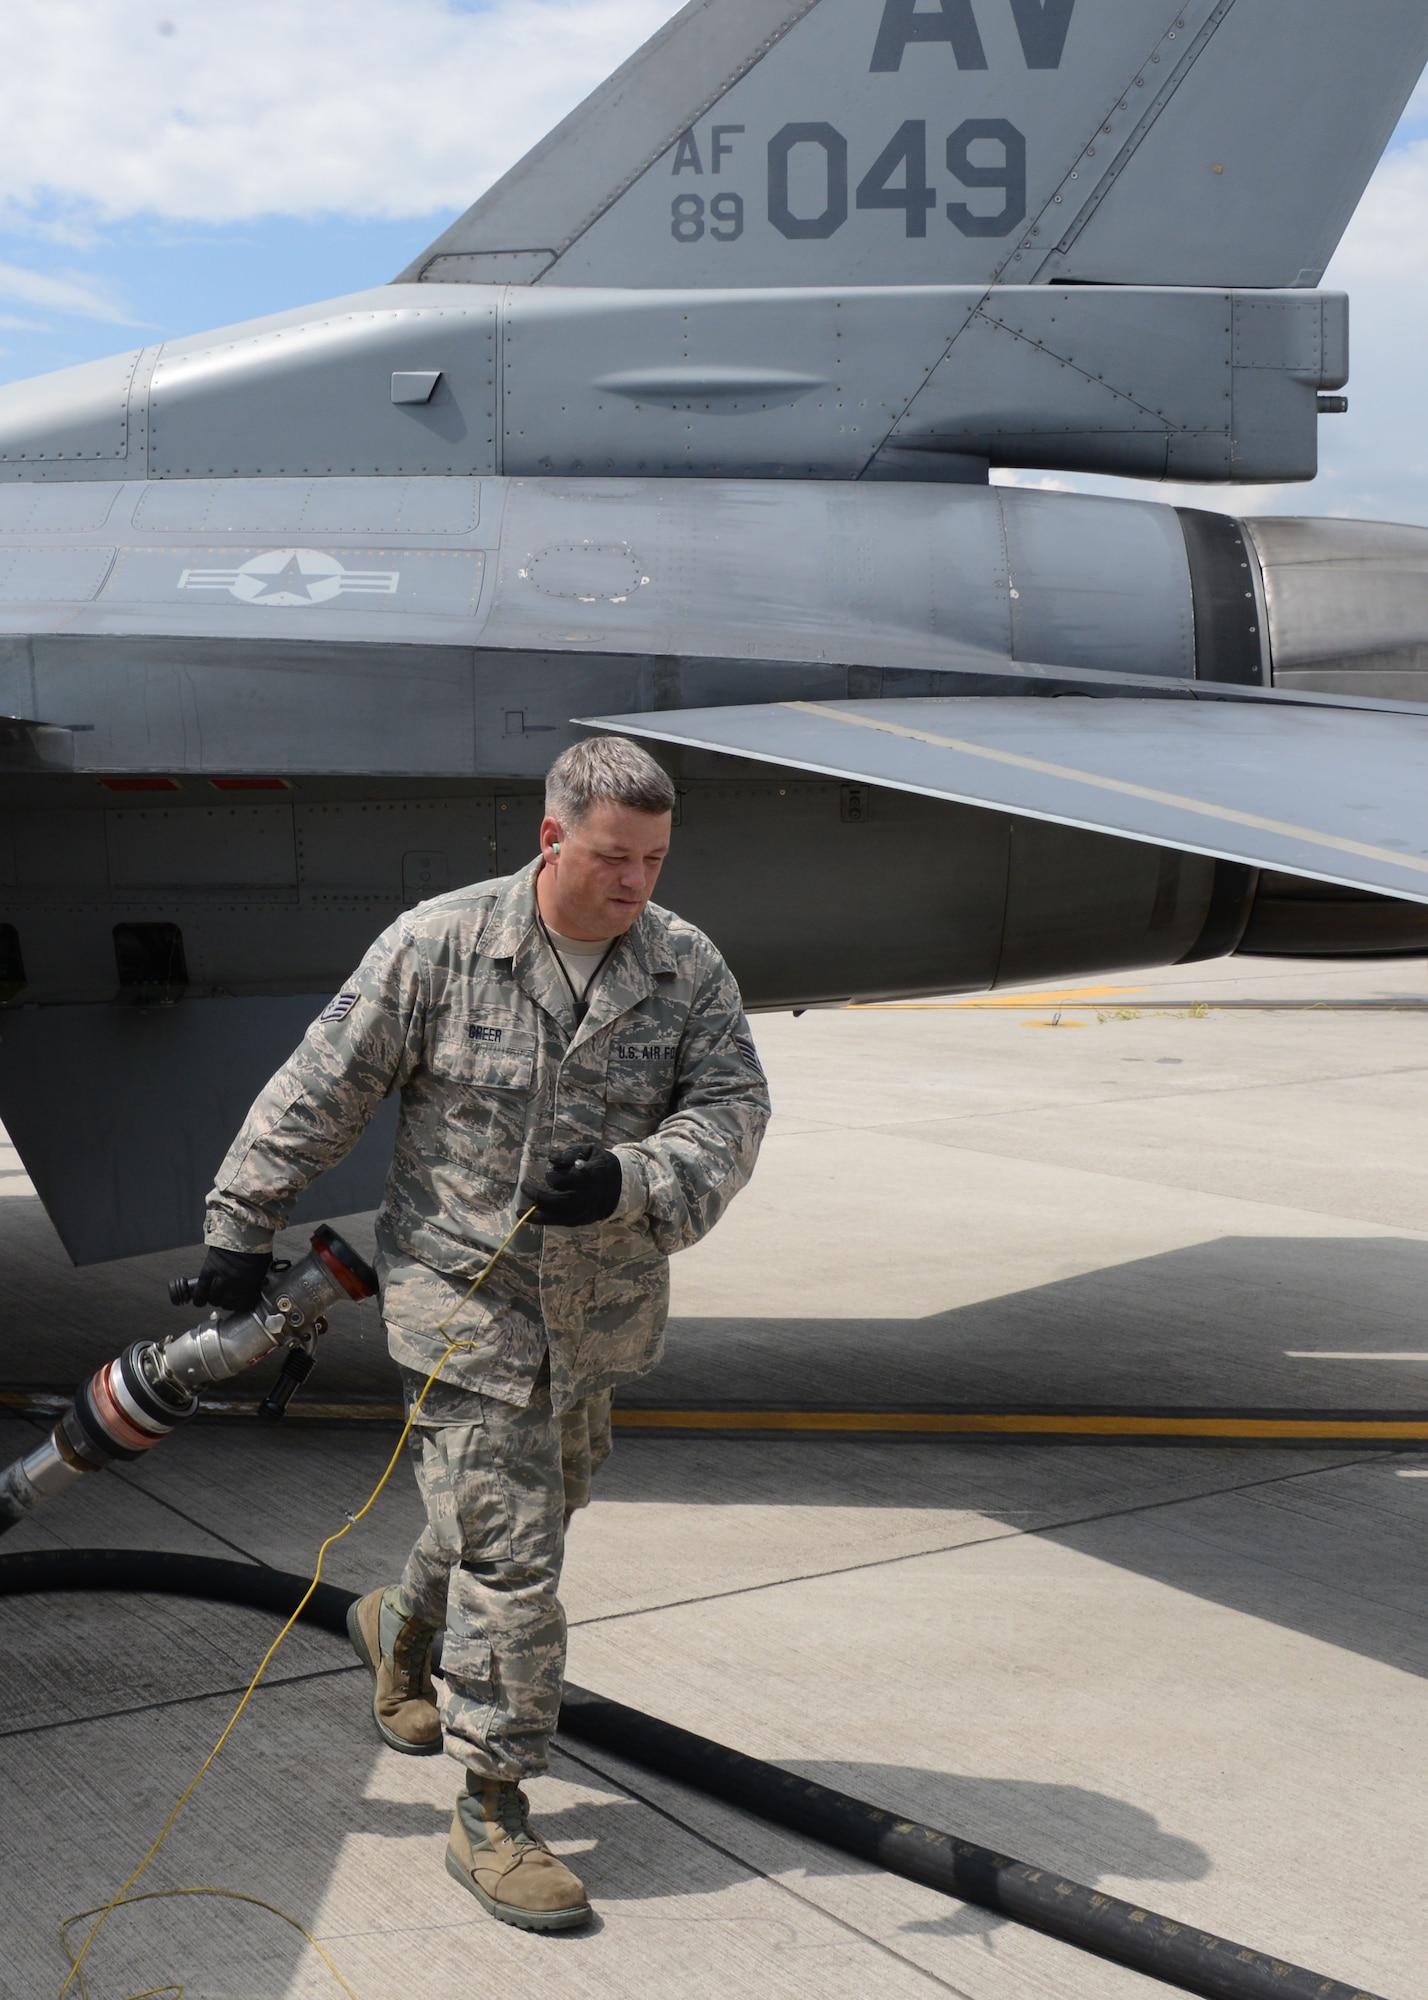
point(1375, 460)
point(62, 292)
point(253, 107)
point(1386, 239)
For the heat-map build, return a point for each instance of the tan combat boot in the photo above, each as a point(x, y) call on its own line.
point(397, 1654)
point(509, 1870)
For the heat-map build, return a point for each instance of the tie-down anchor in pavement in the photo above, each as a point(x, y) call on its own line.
point(133, 1402)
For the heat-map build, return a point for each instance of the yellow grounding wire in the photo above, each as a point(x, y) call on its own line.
point(102, 1912)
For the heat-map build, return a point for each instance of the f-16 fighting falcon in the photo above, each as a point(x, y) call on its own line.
point(684, 432)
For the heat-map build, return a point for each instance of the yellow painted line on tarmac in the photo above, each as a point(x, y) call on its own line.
point(1180, 1009)
point(1408, 1430)
point(1071, 995)
point(1331, 1427)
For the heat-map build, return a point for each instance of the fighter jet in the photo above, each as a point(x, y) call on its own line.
point(685, 430)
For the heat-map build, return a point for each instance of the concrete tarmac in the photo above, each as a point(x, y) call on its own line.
point(1194, 1676)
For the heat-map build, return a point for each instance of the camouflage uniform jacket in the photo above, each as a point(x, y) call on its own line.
point(461, 1007)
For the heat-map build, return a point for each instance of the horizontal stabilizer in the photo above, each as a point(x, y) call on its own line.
point(1334, 794)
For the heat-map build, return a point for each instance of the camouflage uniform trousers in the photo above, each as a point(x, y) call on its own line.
point(499, 1483)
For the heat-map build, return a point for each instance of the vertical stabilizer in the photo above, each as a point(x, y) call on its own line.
point(892, 142)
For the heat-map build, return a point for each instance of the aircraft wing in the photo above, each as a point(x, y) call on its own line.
point(1339, 795)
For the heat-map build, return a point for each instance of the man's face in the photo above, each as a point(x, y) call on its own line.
point(604, 872)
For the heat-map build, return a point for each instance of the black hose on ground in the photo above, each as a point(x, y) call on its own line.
point(175, 1576)
point(1177, 1954)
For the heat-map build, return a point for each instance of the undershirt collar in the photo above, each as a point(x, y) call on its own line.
point(581, 961)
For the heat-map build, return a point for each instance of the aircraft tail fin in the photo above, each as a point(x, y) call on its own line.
point(891, 142)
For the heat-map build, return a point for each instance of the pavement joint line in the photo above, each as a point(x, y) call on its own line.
point(193, 1522)
point(179, 1701)
point(774, 1881)
point(16, 1407)
point(1010, 1532)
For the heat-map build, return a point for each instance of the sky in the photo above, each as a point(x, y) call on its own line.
point(172, 165)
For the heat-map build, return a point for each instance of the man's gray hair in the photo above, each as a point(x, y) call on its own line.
point(605, 768)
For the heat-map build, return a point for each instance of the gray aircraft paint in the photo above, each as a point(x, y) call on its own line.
point(739, 580)
point(924, 383)
point(1218, 142)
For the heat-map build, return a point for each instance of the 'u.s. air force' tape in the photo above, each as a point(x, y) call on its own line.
point(747, 1051)
point(339, 1008)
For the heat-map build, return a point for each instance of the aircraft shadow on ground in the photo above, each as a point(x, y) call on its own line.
point(1340, 1558)
point(1202, 1327)
point(1210, 1325)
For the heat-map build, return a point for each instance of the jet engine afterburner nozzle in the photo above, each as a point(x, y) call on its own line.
point(1347, 605)
point(128, 1405)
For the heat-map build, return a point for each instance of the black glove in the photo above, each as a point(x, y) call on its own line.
point(583, 1185)
point(232, 1280)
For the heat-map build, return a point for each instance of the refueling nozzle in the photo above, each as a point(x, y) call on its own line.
point(131, 1403)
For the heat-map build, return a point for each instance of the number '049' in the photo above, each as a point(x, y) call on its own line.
point(982, 153)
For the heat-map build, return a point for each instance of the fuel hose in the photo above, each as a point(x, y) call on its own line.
point(1178, 1954)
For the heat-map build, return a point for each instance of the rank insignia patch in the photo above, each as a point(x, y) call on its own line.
point(749, 1053)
